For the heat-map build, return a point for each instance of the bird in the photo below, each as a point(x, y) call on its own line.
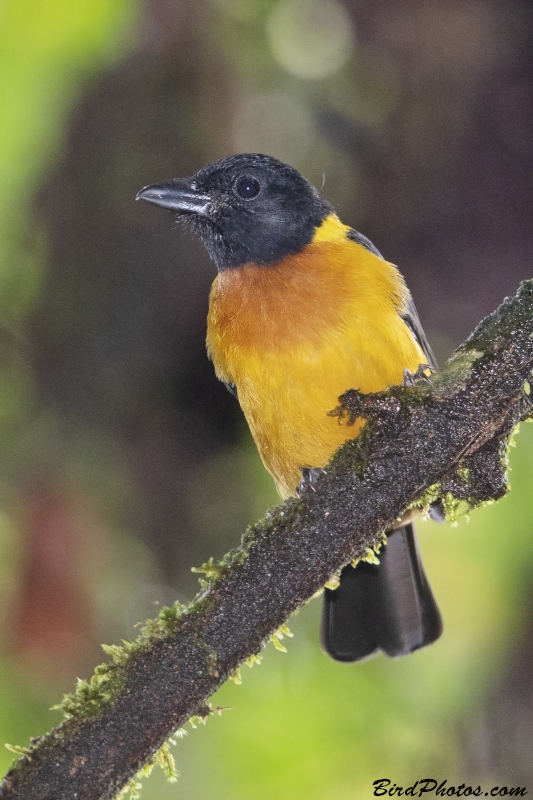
point(302, 309)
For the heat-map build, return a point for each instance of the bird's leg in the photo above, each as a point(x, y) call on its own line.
point(309, 478)
point(412, 378)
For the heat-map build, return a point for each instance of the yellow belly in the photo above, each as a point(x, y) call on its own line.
point(294, 337)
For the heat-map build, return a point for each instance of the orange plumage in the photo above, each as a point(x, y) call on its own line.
point(294, 336)
point(303, 309)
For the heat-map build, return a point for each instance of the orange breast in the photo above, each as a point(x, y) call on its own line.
point(294, 336)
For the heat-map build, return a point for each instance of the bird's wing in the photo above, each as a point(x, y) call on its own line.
point(410, 315)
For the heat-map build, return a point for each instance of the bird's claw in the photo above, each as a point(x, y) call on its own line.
point(309, 478)
point(412, 378)
point(436, 512)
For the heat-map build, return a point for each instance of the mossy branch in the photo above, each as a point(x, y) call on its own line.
point(443, 441)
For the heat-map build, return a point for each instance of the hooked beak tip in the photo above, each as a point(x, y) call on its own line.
point(177, 196)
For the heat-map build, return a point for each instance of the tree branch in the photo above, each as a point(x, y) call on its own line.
point(447, 441)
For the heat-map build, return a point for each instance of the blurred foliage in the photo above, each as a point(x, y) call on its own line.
point(123, 461)
point(46, 50)
point(303, 726)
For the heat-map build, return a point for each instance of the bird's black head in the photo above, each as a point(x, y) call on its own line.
point(248, 208)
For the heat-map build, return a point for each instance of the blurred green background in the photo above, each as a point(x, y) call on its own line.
point(124, 462)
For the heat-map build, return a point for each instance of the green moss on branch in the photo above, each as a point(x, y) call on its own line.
point(448, 441)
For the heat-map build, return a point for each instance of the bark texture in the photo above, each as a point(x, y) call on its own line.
point(447, 440)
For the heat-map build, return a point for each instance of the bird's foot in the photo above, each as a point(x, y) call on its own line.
point(436, 512)
point(412, 378)
point(309, 478)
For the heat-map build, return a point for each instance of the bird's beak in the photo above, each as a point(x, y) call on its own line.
point(176, 195)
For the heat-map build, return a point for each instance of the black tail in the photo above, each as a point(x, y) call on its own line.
point(387, 607)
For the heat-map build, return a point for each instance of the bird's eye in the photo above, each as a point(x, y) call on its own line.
point(247, 187)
